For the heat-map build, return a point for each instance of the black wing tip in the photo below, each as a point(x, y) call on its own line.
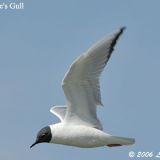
point(123, 28)
point(115, 40)
point(120, 32)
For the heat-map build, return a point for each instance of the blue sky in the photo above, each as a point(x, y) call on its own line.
point(38, 44)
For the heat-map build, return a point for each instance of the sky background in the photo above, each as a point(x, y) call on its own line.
point(38, 44)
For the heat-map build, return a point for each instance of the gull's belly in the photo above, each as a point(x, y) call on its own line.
point(80, 136)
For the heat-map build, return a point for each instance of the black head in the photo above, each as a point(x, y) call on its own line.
point(44, 135)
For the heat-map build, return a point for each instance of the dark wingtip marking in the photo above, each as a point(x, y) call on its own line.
point(114, 145)
point(115, 40)
point(123, 28)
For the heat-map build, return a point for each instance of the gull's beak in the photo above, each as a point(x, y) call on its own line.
point(33, 144)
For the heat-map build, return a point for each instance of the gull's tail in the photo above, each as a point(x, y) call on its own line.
point(120, 141)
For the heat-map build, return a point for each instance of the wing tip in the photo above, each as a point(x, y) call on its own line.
point(123, 28)
point(118, 34)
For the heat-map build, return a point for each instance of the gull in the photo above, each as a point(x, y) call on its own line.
point(79, 125)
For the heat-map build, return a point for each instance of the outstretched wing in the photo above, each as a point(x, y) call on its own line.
point(81, 82)
point(59, 111)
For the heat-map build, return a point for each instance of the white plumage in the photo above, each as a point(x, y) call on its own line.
point(81, 83)
point(79, 124)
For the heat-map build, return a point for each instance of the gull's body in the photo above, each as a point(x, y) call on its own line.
point(79, 124)
point(85, 137)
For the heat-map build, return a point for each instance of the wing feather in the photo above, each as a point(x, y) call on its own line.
point(81, 82)
point(59, 111)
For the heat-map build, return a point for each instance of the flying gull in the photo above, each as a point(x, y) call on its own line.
point(79, 125)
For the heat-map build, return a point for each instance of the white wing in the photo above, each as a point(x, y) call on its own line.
point(59, 111)
point(81, 82)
